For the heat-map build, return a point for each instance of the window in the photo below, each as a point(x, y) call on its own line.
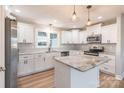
point(42, 39)
point(53, 39)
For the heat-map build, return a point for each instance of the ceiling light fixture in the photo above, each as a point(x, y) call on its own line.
point(55, 21)
point(99, 17)
point(89, 21)
point(74, 16)
point(18, 11)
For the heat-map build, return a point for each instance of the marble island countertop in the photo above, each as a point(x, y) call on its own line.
point(82, 62)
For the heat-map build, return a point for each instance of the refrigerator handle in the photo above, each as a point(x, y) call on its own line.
point(2, 69)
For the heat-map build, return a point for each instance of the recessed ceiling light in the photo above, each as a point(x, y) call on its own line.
point(99, 17)
point(55, 21)
point(18, 11)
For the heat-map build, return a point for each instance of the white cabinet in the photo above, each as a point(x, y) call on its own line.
point(109, 66)
point(25, 33)
point(49, 59)
point(26, 65)
point(29, 64)
point(95, 29)
point(66, 37)
point(83, 37)
point(109, 33)
point(75, 37)
point(39, 61)
point(70, 37)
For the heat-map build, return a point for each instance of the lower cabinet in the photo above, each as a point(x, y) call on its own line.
point(39, 62)
point(29, 64)
point(25, 65)
point(108, 67)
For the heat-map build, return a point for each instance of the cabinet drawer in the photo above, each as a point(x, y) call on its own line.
point(25, 57)
point(37, 56)
point(107, 68)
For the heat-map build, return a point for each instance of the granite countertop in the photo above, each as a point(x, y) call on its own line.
point(82, 62)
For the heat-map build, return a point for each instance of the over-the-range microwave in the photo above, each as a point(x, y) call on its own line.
point(94, 38)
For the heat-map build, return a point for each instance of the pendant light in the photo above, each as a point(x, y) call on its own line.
point(89, 21)
point(74, 16)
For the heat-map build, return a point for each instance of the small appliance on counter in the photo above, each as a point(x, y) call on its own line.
point(64, 53)
point(94, 51)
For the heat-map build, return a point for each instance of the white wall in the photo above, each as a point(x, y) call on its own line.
point(2, 62)
point(120, 48)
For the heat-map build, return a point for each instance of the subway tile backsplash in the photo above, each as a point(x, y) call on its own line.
point(107, 47)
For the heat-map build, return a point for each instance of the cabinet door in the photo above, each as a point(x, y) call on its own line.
point(66, 37)
point(109, 34)
point(95, 29)
point(75, 36)
point(83, 37)
point(109, 66)
point(21, 68)
point(39, 62)
point(29, 66)
point(29, 33)
point(25, 33)
point(105, 34)
point(49, 60)
point(20, 32)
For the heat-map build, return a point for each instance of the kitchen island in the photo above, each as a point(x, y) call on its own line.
point(78, 71)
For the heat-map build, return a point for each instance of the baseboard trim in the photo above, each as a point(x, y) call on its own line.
point(120, 77)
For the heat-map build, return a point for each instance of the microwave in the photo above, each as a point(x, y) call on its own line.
point(94, 39)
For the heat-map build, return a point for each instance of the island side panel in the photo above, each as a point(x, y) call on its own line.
point(87, 79)
point(62, 75)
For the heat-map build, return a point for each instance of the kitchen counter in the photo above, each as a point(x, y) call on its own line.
point(108, 53)
point(78, 71)
point(82, 63)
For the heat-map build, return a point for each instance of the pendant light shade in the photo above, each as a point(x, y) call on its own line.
point(74, 16)
point(89, 21)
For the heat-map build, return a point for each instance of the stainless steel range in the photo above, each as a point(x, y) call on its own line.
point(94, 51)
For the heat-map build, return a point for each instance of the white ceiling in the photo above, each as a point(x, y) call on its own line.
point(46, 14)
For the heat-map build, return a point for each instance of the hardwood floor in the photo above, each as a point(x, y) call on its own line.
point(46, 80)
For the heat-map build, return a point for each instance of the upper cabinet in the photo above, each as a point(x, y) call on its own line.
point(66, 37)
point(95, 29)
point(83, 37)
point(109, 33)
point(25, 33)
point(75, 37)
point(70, 37)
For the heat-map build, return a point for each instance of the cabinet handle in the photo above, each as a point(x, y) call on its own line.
point(24, 40)
point(106, 68)
point(44, 59)
point(25, 62)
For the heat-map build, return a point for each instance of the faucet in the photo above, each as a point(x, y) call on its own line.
point(50, 46)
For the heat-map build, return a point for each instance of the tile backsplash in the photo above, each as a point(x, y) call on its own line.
point(107, 47)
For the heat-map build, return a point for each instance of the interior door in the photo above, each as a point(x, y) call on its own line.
point(2, 64)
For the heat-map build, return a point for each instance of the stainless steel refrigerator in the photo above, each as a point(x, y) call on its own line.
point(11, 53)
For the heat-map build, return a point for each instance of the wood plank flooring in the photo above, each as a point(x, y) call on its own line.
point(46, 80)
